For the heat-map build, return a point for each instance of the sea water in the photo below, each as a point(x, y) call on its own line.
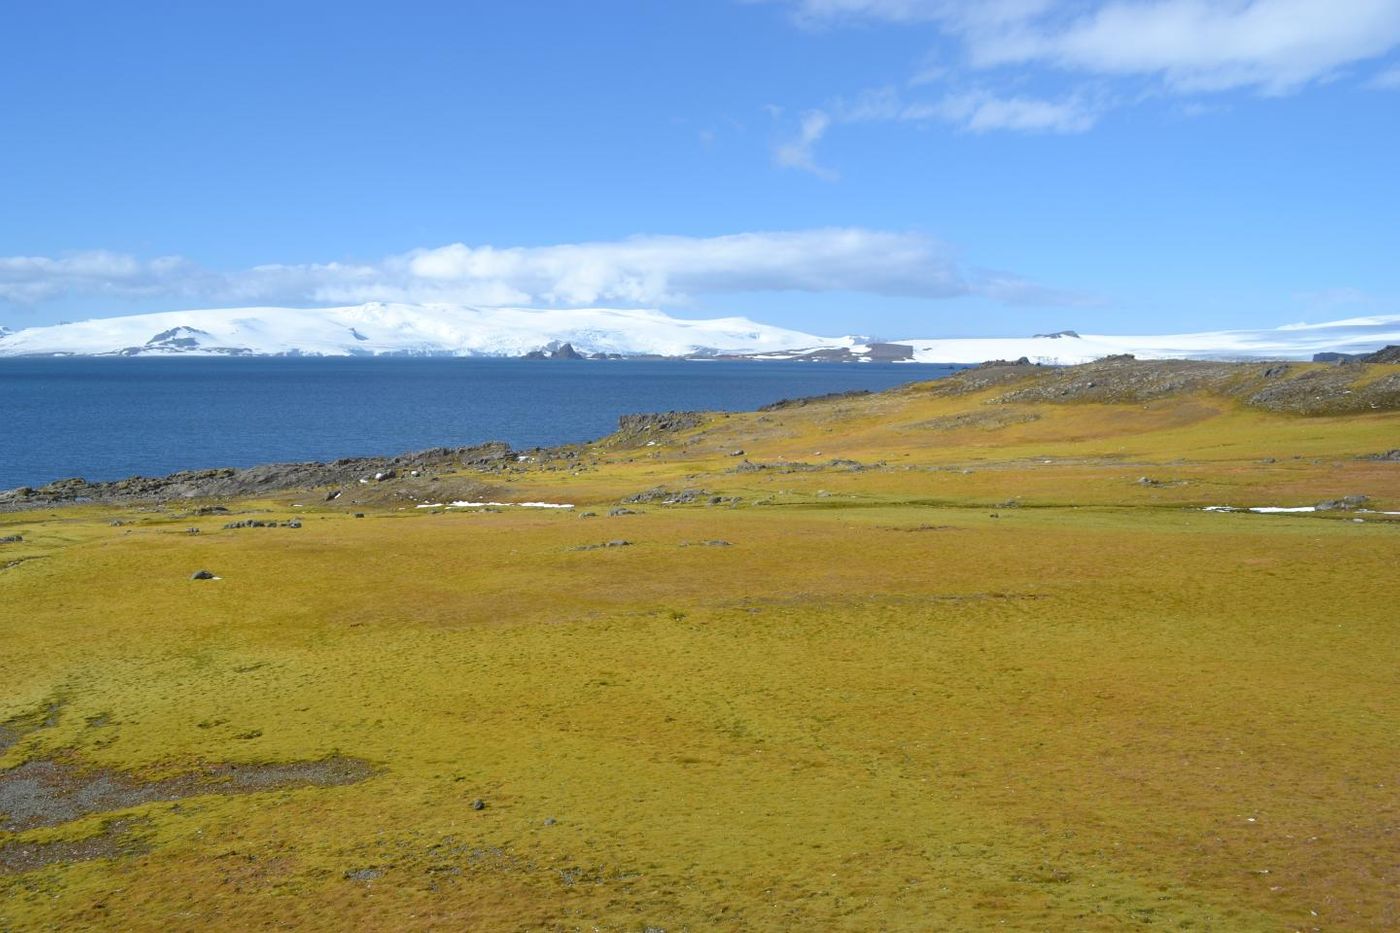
point(108, 418)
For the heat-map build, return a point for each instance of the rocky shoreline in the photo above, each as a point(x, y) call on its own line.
point(1346, 387)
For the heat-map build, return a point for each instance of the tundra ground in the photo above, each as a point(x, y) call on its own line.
point(918, 660)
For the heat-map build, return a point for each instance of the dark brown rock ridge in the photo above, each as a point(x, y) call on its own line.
point(1292, 388)
point(350, 474)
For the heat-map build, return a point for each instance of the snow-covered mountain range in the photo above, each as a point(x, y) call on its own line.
point(452, 330)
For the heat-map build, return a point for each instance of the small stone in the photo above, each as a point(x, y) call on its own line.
point(203, 575)
point(550, 821)
point(478, 804)
point(364, 874)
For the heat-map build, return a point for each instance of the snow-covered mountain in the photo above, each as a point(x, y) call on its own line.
point(453, 330)
point(1292, 341)
point(379, 328)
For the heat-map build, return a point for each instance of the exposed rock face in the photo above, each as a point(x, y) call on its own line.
point(183, 339)
point(1389, 354)
point(1344, 504)
point(1295, 390)
point(642, 425)
point(890, 352)
point(663, 496)
point(267, 478)
point(806, 400)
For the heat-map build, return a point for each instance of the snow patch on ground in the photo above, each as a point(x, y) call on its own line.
point(498, 505)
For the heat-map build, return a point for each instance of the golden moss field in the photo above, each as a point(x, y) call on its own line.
point(1000, 672)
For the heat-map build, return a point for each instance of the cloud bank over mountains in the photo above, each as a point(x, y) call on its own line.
point(638, 271)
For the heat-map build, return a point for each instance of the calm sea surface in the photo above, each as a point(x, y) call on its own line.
point(105, 419)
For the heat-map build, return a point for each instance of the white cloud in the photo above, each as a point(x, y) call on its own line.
point(27, 279)
point(980, 112)
point(798, 152)
point(1191, 46)
point(1118, 51)
point(640, 271)
point(1275, 46)
point(977, 111)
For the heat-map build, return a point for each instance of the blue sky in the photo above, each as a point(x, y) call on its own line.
point(890, 167)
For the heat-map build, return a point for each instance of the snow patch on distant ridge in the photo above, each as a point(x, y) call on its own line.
point(380, 328)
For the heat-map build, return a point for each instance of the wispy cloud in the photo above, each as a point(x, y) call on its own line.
point(1274, 46)
point(1387, 80)
point(976, 111)
point(1194, 46)
point(1118, 51)
point(639, 271)
point(799, 152)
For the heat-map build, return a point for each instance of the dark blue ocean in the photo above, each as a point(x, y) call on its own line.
point(105, 419)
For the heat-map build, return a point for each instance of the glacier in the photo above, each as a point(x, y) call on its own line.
point(384, 328)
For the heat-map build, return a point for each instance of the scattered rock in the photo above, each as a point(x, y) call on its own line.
point(12, 539)
point(664, 496)
point(645, 424)
point(48, 792)
point(806, 400)
point(203, 575)
point(597, 547)
point(364, 874)
point(737, 453)
point(333, 495)
point(478, 804)
point(619, 510)
point(116, 839)
point(1344, 504)
point(258, 523)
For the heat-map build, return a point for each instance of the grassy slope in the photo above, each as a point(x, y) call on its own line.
point(880, 707)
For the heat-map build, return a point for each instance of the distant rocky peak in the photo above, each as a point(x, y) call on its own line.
point(177, 338)
point(1056, 335)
